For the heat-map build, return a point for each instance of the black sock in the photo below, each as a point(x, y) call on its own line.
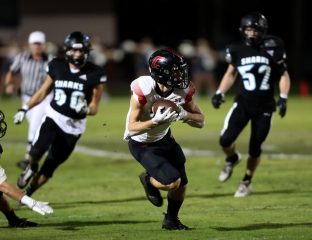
point(11, 216)
point(30, 190)
point(173, 208)
point(232, 159)
point(247, 178)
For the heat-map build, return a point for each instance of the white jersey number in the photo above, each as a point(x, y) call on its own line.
point(249, 79)
point(75, 98)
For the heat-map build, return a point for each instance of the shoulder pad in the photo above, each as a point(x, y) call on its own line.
point(230, 52)
point(140, 88)
point(272, 42)
point(228, 56)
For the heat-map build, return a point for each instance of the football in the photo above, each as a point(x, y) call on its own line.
point(165, 103)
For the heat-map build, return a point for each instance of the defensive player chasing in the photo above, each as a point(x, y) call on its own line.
point(78, 86)
point(11, 191)
point(257, 63)
point(150, 139)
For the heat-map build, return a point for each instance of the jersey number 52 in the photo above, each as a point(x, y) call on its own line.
point(249, 78)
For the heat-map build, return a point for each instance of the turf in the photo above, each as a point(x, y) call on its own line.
point(98, 197)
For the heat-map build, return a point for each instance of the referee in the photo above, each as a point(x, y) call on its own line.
point(31, 66)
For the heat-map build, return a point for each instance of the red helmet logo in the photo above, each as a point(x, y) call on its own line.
point(155, 61)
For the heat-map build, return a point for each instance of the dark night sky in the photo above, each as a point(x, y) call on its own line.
point(174, 20)
point(169, 22)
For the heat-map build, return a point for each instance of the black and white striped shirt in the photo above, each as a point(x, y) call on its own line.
point(33, 72)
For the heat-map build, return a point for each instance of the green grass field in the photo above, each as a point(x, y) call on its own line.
point(96, 194)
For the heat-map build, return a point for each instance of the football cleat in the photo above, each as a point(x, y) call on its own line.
point(25, 177)
point(22, 164)
point(152, 193)
point(174, 224)
point(22, 223)
point(230, 163)
point(244, 189)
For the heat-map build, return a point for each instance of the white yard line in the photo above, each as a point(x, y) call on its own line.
point(187, 151)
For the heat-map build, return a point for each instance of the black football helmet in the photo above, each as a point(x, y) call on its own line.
point(257, 21)
point(77, 40)
point(169, 68)
point(3, 125)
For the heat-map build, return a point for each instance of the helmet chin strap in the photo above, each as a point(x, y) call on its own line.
point(253, 41)
point(76, 62)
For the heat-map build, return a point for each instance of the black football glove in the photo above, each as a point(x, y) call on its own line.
point(282, 105)
point(217, 99)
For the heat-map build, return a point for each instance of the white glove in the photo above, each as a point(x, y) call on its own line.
point(182, 114)
point(166, 116)
point(37, 206)
point(82, 107)
point(20, 115)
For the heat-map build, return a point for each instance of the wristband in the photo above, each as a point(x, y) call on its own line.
point(28, 201)
point(219, 92)
point(25, 107)
point(283, 95)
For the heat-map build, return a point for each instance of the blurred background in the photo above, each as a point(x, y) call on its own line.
point(124, 33)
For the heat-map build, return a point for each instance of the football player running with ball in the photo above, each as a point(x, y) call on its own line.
point(257, 63)
point(150, 140)
point(78, 86)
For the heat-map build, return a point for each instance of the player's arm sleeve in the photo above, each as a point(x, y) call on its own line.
point(190, 93)
point(280, 56)
point(138, 93)
point(230, 54)
point(195, 117)
point(50, 69)
point(101, 77)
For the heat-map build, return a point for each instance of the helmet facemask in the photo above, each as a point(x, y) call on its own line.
point(3, 125)
point(77, 41)
point(180, 77)
point(77, 61)
point(254, 40)
point(169, 68)
point(255, 21)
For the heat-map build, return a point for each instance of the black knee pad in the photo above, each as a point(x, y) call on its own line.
point(225, 141)
point(1, 194)
point(254, 153)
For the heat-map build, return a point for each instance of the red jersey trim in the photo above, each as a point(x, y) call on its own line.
point(138, 91)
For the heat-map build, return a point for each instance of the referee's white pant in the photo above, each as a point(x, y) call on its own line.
point(35, 115)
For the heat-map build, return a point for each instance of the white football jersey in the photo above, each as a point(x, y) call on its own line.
point(67, 124)
point(144, 91)
point(3, 177)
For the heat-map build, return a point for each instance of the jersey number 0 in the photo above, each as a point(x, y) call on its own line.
point(75, 98)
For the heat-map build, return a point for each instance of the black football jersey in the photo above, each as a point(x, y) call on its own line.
point(71, 88)
point(258, 68)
